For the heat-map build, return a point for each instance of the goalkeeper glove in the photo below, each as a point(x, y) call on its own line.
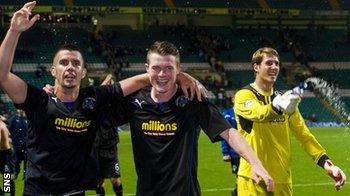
point(288, 102)
point(336, 173)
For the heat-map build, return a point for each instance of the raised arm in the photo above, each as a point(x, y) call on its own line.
point(15, 87)
point(241, 146)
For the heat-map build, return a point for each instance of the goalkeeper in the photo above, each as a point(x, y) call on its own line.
point(266, 118)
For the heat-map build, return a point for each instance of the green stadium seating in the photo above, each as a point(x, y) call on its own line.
point(238, 79)
point(309, 106)
point(51, 37)
point(340, 78)
point(32, 79)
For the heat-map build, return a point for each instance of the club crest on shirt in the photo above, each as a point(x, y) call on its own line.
point(181, 101)
point(248, 103)
point(89, 103)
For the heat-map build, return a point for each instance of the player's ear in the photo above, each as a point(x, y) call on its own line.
point(53, 70)
point(146, 67)
point(179, 68)
point(255, 67)
point(84, 73)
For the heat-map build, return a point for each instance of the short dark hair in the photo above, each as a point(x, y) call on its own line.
point(164, 48)
point(71, 47)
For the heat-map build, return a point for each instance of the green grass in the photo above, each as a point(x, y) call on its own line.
point(215, 175)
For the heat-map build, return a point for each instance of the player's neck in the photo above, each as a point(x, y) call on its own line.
point(163, 97)
point(263, 86)
point(67, 94)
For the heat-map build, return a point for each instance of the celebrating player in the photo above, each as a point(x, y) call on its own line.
point(62, 125)
point(164, 130)
point(266, 119)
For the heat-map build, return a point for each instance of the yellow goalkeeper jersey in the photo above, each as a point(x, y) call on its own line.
point(268, 132)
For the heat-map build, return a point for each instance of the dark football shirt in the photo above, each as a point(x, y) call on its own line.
point(165, 139)
point(107, 135)
point(60, 140)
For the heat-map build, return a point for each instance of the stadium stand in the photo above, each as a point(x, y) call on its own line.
point(220, 3)
point(310, 4)
point(313, 110)
point(212, 50)
point(41, 2)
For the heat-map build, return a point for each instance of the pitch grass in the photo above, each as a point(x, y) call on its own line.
point(215, 175)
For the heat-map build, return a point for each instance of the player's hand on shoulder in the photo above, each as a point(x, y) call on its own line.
point(191, 87)
point(49, 89)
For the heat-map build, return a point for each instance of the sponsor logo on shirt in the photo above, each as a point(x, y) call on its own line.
point(153, 125)
point(72, 124)
point(139, 103)
point(54, 98)
point(278, 120)
point(156, 128)
point(248, 103)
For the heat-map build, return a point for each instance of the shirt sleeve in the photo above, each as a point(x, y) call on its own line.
point(249, 107)
point(109, 94)
point(232, 121)
point(119, 111)
point(306, 139)
point(36, 100)
point(211, 121)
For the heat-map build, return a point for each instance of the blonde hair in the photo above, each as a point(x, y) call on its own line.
point(259, 54)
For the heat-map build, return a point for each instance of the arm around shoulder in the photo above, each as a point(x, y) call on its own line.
point(135, 83)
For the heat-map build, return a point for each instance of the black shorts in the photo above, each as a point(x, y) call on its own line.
point(6, 162)
point(235, 164)
point(109, 167)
